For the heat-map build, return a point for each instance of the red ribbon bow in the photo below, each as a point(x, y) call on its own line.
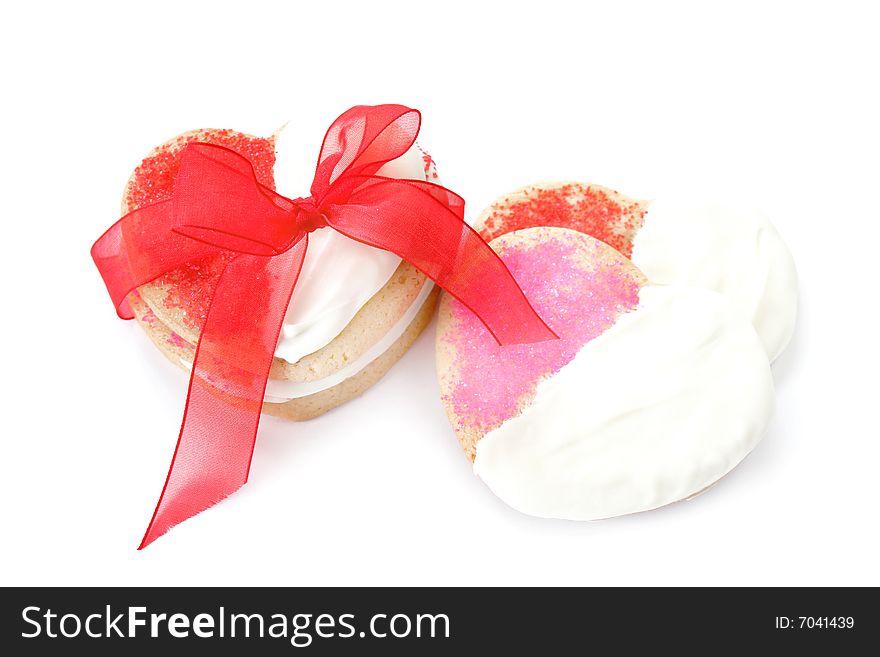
point(219, 207)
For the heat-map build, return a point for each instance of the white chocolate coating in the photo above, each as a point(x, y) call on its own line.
point(657, 408)
point(733, 250)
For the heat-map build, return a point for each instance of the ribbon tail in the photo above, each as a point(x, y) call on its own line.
point(228, 381)
point(414, 220)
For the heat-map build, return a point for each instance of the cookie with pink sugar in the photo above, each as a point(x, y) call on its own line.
point(651, 394)
point(719, 245)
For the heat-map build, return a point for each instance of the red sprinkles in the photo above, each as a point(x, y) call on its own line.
point(587, 209)
point(188, 288)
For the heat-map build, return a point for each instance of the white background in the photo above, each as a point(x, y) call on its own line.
point(773, 102)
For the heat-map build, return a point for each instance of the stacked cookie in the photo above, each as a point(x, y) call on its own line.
point(669, 314)
point(356, 310)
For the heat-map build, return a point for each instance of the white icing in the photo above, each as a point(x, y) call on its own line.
point(652, 411)
point(339, 275)
point(733, 250)
point(279, 391)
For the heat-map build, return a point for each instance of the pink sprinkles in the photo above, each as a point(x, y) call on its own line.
point(578, 295)
point(177, 341)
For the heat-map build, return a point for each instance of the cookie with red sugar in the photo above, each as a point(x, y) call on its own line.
point(355, 310)
point(598, 211)
point(718, 245)
point(650, 395)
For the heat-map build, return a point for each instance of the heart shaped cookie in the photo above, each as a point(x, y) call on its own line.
point(651, 394)
point(356, 311)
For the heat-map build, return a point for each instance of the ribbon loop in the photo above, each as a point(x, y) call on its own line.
point(361, 140)
point(219, 208)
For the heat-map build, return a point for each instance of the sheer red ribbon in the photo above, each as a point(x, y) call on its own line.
point(219, 207)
